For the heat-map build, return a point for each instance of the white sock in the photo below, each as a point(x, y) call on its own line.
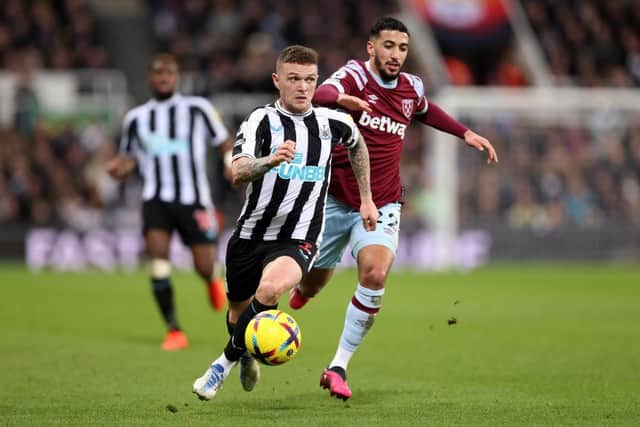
point(225, 363)
point(341, 358)
point(361, 313)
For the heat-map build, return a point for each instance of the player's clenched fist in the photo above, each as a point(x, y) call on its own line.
point(284, 153)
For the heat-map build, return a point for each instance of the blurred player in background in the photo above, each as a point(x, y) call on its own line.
point(283, 151)
point(383, 101)
point(166, 139)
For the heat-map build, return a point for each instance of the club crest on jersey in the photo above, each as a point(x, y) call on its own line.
point(325, 132)
point(407, 107)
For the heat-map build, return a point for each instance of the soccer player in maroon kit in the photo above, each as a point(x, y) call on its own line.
point(383, 101)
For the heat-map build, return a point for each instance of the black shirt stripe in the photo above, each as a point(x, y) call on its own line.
point(192, 163)
point(174, 158)
point(156, 160)
point(132, 136)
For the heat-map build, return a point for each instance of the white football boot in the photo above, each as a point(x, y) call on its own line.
point(208, 385)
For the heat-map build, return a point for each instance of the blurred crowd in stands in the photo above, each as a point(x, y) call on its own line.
point(549, 176)
point(589, 42)
point(57, 177)
point(50, 176)
point(234, 42)
point(56, 34)
point(553, 175)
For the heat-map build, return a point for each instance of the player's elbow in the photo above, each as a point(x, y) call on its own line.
point(238, 178)
point(235, 175)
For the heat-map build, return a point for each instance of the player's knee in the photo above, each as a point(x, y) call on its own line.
point(268, 292)
point(160, 268)
point(373, 277)
point(233, 316)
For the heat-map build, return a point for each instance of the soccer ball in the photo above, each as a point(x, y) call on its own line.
point(273, 337)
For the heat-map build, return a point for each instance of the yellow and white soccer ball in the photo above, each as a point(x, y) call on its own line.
point(273, 337)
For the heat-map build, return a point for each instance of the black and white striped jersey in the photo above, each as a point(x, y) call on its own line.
point(288, 201)
point(169, 140)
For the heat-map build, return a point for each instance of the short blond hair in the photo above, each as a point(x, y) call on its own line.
point(297, 54)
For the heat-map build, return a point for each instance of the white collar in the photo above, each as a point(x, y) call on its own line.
point(387, 85)
point(281, 109)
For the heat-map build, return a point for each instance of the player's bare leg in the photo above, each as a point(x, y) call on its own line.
point(204, 259)
point(374, 263)
point(157, 245)
point(311, 284)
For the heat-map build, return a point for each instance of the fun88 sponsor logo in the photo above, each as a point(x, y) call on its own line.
point(296, 170)
point(383, 124)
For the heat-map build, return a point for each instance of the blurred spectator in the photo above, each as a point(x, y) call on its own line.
point(589, 43)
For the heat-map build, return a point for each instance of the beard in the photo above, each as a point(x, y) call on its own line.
point(163, 96)
point(386, 77)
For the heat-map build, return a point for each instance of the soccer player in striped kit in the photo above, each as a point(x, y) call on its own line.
point(383, 101)
point(283, 151)
point(166, 140)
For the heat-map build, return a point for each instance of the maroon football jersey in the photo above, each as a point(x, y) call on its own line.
point(393, 105)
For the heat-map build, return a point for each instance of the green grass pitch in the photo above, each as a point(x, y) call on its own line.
point(532, 345)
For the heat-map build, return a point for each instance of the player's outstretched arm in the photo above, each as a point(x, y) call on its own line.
point(328, 95)
point(353, 103)
point(121, 166)
point(245, 169)
point(481, 143)
point(437, 118)
point(359, 158)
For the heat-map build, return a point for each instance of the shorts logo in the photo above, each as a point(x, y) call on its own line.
point(305, 250)
point(407, 107)
point(205, 221)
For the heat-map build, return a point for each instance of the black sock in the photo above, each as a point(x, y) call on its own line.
point(163, 293)
point(340, 371)
point(236, 345)
point(230, 326)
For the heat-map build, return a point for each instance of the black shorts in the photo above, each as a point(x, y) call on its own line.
point(246, 259)
point(194, 223)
